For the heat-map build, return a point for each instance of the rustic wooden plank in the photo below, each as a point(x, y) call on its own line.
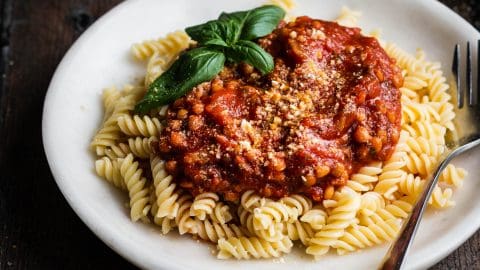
point(38, 229)
point(466, 256)
point(468, 9)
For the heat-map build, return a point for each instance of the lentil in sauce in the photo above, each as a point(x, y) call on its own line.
point(331, 105)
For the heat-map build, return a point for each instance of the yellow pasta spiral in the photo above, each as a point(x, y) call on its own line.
point(164, 189)
point(213, 231)
point(109, 169)
point(141, 147)
point(342, 216)
point(136, 186)
point(245, 248)
point(173, 43)
point(203, 205)
point(138, 126)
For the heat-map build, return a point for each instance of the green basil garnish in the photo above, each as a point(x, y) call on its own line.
point(229, 37)
point(222, 33)
point(252, 54)
point(257, 22)
point(192, 68)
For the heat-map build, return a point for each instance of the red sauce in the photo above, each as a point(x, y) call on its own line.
point(330, 106)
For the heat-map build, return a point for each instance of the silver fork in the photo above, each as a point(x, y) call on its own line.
point(468, 139)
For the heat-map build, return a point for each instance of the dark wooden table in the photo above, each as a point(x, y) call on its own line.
point(38, 230)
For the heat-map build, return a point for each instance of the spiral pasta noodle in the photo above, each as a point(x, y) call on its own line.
point(109, 169)
point(213, 231)
point(138, 126)
point(272, 233)
point(404, 59)
point(166, 224)
point(316, 218)
point(120, 150)
point(221, 213)
point(453, 176)
point(273, 212)
point(110, 97)
point(110, 133)
point(301, 203)
point(365, 236)
point(391, 175)
point(245, 248)
point(173, 43)
point(183, 220)
point(371, 202)
point(365, 177)
point(250, 200)
point(141, 147)
point(299, 231)
point(136, 186)
point(156, 65)
point(342, 216)
point(164, 189)
point(203, 205)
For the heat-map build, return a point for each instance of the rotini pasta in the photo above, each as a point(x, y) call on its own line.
point(137, 190)
point(365, 236)
point(173, 43)
point(250, 200)
point(273, 212)
point(273, 233)
point(141, 147)
point(316, 218)
point(453, 176)
point(299, 231)
point(183, 221)
point(120, 150)
point(301, 203)
point(245, 248)
point(137, 126)
point(213, 231)
point(342, 216)
point(164, 189)
point(203, 205)
point(221, 213)
point(391, 175)
point(166, 224)
point(109, 169)
point(110, 133)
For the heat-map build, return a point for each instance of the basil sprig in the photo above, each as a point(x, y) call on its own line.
point(230, 37)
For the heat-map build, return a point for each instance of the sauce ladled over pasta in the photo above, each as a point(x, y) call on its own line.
point(330, 106)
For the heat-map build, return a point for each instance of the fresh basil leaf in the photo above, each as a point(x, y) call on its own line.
point(192, 68)
point(160, 89)
point(239, 16)
point(261, 22)
point(257, 22)
point(220, 33)
point(251, 53)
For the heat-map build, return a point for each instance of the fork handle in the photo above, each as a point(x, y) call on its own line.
point(396, 254)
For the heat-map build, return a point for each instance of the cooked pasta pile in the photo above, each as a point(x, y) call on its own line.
point(366, 212)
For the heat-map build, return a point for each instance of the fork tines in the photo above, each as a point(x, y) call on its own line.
point(472, 94)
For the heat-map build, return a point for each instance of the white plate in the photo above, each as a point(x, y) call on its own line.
point(101, 58)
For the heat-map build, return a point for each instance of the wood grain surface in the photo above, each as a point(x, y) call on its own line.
point(38, 230)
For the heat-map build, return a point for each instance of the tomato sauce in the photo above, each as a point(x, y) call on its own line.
point(331, 105)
